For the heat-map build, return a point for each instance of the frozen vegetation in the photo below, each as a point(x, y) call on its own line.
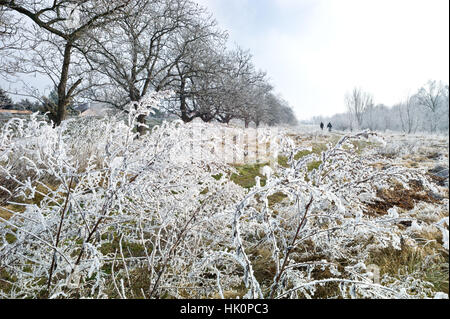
point(87, 210)
point(199, 206)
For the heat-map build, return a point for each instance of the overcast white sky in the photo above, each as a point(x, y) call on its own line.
point(316, 50)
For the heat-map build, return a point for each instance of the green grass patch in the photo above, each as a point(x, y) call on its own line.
point(10, 238)
point(302, 154)
point(276, 198)
point(360, 146)
point(246, 175)
point(129, 249)
point(313, 165)
point(283, 161)
point(317, 148)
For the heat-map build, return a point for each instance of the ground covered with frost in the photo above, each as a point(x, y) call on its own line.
point(87, 210)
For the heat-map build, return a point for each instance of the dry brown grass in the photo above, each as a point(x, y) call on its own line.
point(426, 259)
point(5, 211)
point(42, 190)
point(400, 197)
point(263, 266)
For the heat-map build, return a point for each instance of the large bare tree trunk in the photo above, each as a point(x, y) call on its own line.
point(141, 128)
point(61, 112)
point(183, 104)
point(135, 97)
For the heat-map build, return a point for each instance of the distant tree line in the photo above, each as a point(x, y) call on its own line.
point(6, 103)
point(118, 51)
point(427, 110)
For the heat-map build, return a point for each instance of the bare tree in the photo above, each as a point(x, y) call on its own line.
point(409, 115)
point(369, 117)
point(234, 83)
point(248, 87)
point(432, 96)
point(357, 103)
point(58, 30)
point(245, 93)
point(196, 53)
point(8, 28)
point(10, 42)
point(445, 109)
point(154, 46)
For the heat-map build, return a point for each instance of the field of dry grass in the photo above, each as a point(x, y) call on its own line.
point(414, 209)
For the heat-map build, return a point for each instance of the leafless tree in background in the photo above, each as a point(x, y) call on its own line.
point(10, 42)
point(432, 97)
point(357, 103)
point(197, 60)
point(409, 115)
point(156, 44)
point(8, 28)
point(117, 52)
point(235, 83)
point(249, 86)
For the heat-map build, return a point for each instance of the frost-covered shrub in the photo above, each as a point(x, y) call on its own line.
point(323, 217)
point(109, 191)
point(97, 212)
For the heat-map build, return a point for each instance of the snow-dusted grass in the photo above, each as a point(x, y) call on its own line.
point(187, 212)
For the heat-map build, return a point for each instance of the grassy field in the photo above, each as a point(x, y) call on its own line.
point(269, 217)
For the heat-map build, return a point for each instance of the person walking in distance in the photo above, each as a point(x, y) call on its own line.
point(321, 126)
point(329, 127)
